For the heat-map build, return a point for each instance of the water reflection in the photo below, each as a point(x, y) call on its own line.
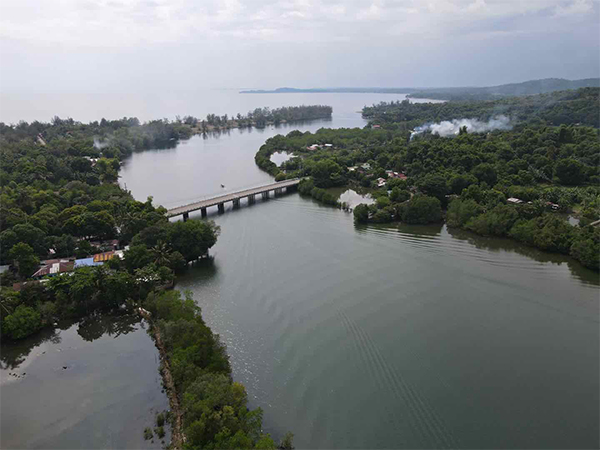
point(89, 328)
point(217, 133)
point(281, 157)
point(95, 326)
point(495, 244)
point(14, 354)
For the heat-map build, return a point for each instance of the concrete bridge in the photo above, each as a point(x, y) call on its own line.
point(233, 197)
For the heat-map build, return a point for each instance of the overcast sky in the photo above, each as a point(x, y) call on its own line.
point(82, 45)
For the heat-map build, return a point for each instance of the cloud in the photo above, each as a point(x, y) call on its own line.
point(97, 44)
point(134, 22)
point(577, 7)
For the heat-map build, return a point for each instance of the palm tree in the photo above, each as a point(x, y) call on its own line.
point(161, 254)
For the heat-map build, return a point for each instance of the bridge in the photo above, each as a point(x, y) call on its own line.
point(233, 197)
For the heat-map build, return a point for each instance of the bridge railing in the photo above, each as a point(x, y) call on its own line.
point(224, 193)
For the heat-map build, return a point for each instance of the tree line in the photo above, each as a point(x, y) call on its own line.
point(58, 197)
point(261, 117)
point(577, 107)
point(551, 167)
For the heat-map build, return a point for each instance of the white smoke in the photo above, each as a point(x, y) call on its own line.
point(451, 128)
point(100, 144)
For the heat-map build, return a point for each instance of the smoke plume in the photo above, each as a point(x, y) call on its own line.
point(451, 128)
point(98, 144)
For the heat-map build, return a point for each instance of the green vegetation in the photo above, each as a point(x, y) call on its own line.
point(531, 87)
point(549, 161)
point(261, 117)
point(557, 108)
point(215, 408)
point(148, 434)
point(58, 196)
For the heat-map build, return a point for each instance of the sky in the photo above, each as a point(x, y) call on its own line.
point(140, 45)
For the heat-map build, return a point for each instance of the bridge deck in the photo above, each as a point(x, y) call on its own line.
point(230, 197)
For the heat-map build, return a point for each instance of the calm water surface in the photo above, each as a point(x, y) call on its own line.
point(384, 337)
point(93, 384)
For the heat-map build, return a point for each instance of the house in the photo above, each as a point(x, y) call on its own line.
point(376, 126)
point(313, 147)
point(553, 206)
point(328, 145)
point(86, 262)
point(402, 176)
point(514, 200)
point(352, 169)
point(54, 268)
point(380, 182)
point(366, 166)
point(109, 244)
point(105, 256)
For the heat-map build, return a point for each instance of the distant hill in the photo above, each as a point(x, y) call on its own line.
point(454, 93)
point(531, 87)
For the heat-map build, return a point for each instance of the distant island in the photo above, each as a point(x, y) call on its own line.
point(531, 87)
point(346, 90)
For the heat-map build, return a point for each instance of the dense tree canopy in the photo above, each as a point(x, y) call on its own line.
point(549, 161)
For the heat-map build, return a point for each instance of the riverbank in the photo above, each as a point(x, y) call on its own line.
point(177, 436)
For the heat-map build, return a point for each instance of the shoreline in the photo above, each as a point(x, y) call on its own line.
point(177, 436)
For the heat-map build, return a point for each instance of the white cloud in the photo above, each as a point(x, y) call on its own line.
point(121, 23)
point(576, 7)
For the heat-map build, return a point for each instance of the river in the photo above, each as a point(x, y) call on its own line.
point(350, 337)
point(383, 337)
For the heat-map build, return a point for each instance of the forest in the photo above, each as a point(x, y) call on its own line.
point(530, 87)
point(546, 168)
point(261, 117)
point(578, 107)
point(60, 199)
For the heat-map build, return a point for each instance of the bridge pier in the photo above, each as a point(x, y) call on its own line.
point(221, 207)
point(251, 199)
point(203, 212)
point(265, 195)
point(236, 202)
point(186, 216)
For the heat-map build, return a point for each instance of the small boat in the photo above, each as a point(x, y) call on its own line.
point(222, 185)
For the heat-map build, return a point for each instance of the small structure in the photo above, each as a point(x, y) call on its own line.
point(54, 268)
point(328, 145)
point(109, 244)
point(103, 257)
point(553, 206)
point(514, 200)
point(380, 182)
point(86, 262)
point(313, 147)
point(352, 169)
point(376, 126)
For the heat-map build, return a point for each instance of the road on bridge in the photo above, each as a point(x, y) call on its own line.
point(230, 197)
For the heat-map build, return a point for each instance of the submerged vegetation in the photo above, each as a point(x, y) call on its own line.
point(514, 182)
